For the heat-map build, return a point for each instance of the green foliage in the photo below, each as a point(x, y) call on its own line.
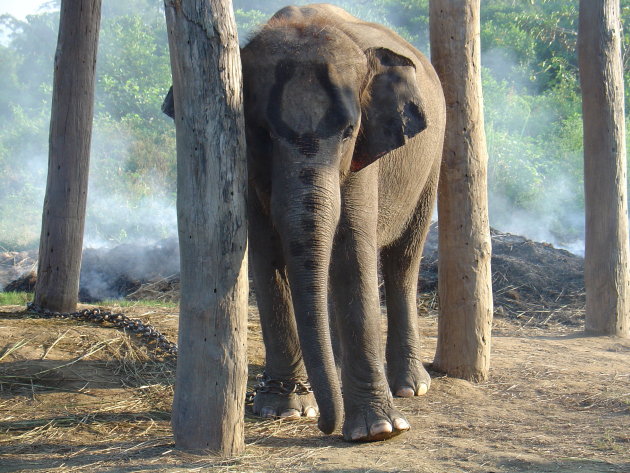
point(531, 94)
point(23, 175)
point(533, 114)
point(15, 298)
point(133, 143)
point(133, 68)
point(248, 21)
point(141, 303)
point(541, 36)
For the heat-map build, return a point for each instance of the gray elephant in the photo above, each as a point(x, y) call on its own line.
point(345, 124)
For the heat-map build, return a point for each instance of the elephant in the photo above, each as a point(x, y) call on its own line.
point(344, 122)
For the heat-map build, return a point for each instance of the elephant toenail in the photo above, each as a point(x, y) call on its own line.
point(358, 434)
point(401, 424)
point(267, 412)
point(405, 392)
point(381, 427)
point(290, 414)
point(422, 389)
point(310, 412)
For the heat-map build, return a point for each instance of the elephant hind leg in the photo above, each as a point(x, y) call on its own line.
point(405, 371)
point(400, 262)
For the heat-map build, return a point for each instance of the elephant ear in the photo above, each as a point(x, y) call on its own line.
point(168, 106)
point(393, 109)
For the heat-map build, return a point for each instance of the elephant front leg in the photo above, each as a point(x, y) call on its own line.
point(369, 409)
point(281, 392)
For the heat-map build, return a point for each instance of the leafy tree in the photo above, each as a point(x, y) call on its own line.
point(530, 86)
point(133, 68)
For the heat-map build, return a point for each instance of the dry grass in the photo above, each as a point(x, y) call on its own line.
point(109, 403)
point(161, 290)
point(77, 397)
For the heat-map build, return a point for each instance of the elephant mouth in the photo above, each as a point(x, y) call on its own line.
point(359, 161)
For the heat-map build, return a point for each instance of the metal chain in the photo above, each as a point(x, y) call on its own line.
point(150, 335)
point(282, 387)
point(166, 349)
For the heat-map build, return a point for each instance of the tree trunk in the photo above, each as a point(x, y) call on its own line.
point(465, 282)
point(63, 219)
point(208, 409)
point(606, 258)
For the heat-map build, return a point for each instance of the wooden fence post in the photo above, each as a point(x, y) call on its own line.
point(465, 281)
point(63, 219)
point(605, 184)
point(208, 409)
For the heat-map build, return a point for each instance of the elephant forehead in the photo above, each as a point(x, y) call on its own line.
point(304, 101)
point(310, 99)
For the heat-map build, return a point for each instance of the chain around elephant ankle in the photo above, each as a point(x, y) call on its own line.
point(283, 387)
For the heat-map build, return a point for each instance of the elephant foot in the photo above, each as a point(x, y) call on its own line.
point(372, 424)
point(285, 406)
point(410, 380)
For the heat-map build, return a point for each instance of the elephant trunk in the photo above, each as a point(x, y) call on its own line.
point(307, 218)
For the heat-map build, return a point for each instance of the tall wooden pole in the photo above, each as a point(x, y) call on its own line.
point(465, 282)
point(606, 257)
point(63, 219)
point(208, 409)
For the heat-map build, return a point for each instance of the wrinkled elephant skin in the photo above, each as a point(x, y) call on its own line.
point(344, 123)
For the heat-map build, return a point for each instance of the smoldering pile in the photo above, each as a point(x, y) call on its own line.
point(127, 271)
point(17, 270)
point(130, 271)
point(529, 279)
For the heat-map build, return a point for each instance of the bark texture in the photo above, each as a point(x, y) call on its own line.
point(606, 258)
point(465, 282)
point(208, 408)
point(63, 218)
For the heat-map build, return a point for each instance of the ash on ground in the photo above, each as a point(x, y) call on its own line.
point(531, 281)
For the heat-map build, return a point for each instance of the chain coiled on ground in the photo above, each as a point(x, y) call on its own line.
point(147, 332)
point(165, 349)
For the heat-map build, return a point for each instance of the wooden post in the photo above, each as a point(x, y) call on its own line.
point(465, 281)
point(63, 219)
point(208, 409)
point(606, 258)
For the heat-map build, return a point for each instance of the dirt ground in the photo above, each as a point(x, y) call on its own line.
point(79, 397)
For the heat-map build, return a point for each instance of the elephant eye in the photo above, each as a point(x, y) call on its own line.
point(347, 133)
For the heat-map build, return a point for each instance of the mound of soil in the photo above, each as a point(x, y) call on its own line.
point(120, 271)
point(527, 277)
point(106, 273)
point(166, 290)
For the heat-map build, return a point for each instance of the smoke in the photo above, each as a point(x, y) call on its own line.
point(116, 213)
point(548, 224)
point(116, 219)
point(130, 233)
point(106, 273)
point(534, 189)
point(144, 218)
